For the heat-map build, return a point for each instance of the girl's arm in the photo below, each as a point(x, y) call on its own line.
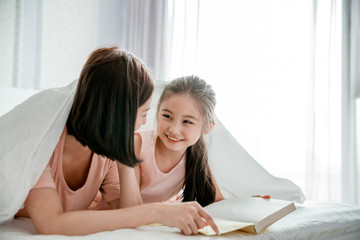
point(45, 209)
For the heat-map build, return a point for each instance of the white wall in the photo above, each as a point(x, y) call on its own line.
point(7, 41)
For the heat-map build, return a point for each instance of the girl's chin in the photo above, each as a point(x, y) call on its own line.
point(174, 146)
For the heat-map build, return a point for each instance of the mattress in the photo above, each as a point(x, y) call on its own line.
point(309, 221)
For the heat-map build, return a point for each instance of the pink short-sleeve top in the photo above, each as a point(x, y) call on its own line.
point(156, 186)
point(102, 175)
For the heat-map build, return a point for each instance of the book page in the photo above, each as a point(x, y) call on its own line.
point(248, 209)
point(226, 226)
point(249, 214)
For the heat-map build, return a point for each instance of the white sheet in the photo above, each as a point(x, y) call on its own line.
point(309, 221)
point(29, 134)
point(31, 130)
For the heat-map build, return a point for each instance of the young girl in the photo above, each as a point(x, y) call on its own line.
point(175, 156)
point(96, 151)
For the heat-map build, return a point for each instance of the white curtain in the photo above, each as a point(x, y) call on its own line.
point(323, 179)
point(147, 33)
point(255, 62)
point(332, 163)
point(351, 91)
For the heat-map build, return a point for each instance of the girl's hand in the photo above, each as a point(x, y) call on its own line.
point(189, 217)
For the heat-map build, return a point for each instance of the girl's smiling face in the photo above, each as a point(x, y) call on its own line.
point(179, 122)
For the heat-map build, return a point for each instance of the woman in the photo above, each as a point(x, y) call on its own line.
point(96, 147)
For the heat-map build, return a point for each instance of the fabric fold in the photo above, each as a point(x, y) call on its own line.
point(29, 134)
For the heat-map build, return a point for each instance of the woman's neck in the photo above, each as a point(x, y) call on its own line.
point(74, 148)
point(76, 162)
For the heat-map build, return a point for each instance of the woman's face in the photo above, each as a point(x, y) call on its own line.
point(141, 114)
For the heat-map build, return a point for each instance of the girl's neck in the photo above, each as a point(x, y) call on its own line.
point(166, 159)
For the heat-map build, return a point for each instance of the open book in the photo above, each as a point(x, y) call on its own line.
point(249, 214)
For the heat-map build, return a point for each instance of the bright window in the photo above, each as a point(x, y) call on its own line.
point(256, 55)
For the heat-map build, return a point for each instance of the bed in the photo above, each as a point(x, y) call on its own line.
point(237, 174)
point(309, 221)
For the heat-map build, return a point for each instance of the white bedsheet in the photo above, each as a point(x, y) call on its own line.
point(309, 221)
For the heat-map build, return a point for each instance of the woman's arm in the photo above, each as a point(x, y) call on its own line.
point(130, 194)
point(129, 188)
point(45, 209)
point(138, 144)
point(137, 174)
point(130, 180)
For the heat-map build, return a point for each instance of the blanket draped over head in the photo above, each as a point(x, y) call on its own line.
point(29, 134)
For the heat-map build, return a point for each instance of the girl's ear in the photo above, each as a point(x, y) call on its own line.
point(209, 127)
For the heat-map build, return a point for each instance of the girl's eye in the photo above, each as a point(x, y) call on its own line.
point(188, 122)
point(166, 116)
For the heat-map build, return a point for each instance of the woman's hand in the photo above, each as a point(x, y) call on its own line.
point(189, 217)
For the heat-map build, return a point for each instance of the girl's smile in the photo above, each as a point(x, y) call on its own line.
point(173, 139)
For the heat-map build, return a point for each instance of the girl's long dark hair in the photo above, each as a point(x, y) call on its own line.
point(198, 184)
point(113, 84)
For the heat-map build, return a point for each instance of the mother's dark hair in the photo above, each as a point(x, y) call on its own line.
point(113, 84)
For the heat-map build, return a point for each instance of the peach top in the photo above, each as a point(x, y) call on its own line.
point(156, 186)
point(102, 175)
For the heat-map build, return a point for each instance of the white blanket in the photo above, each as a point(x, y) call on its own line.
point(30, 132)
point(309, 221)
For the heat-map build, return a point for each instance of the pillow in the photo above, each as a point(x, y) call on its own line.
point(236, 172)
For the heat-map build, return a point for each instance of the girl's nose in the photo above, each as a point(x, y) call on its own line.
point(175, 128)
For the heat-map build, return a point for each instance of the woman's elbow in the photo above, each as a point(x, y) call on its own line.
point(48, 228)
